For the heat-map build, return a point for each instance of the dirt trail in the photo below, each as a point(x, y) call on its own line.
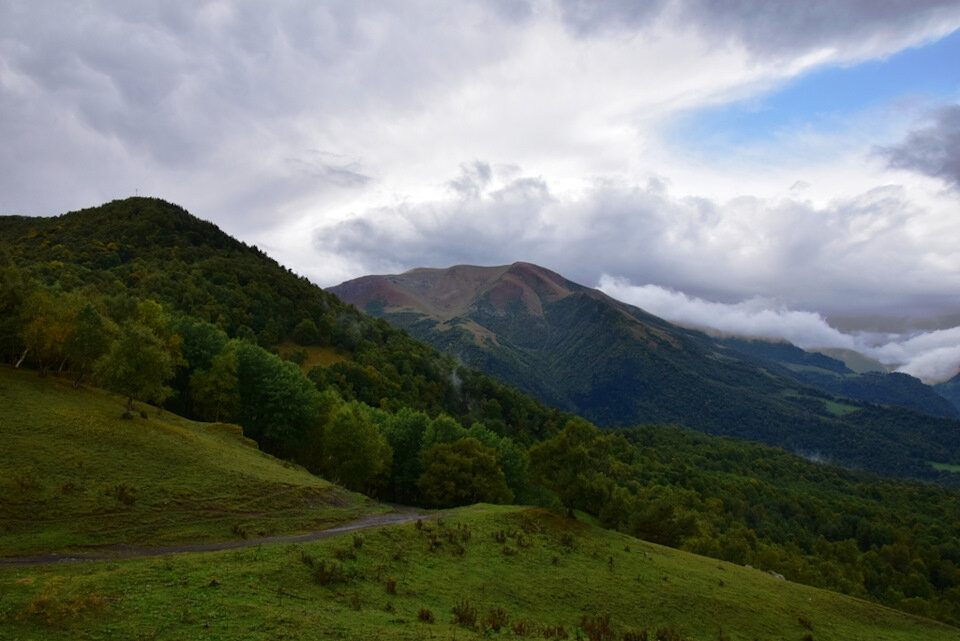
point(119, 552)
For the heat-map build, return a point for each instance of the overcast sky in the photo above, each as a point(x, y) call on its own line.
point(789, 169)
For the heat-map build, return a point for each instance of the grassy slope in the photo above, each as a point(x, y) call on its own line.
point(534, 575)
point(74, 474)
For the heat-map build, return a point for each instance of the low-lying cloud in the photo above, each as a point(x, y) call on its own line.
point(931, 356)
point(871, 253)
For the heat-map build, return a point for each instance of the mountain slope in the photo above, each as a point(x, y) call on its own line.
point(580, 350)
point(146, 248)
point(477, 573)
point(75, 475)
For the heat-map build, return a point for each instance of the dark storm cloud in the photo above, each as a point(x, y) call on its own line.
point(933, 150)
point(764, 26)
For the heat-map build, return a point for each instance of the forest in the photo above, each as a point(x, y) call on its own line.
point(141, 298)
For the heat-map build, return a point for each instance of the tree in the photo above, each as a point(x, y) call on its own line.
point(461, 473)
point(88, 341)
point(137, 365)
point(573, 463)
point(278, 404)
point(47, 322)
point(306, 333)
point(442, 429)
point(214, 391)
point(355, 453)
point(404, 431)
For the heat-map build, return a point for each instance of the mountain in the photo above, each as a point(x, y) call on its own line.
point(580, 350)
point(375, 410)
point(833, 375)
point(950, 390)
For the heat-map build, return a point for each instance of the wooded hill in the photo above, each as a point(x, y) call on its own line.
point(145, 299)
point(580, 350)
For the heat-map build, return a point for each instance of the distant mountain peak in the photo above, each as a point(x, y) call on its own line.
point(444, 294)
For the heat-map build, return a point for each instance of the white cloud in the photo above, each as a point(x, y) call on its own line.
point(331, 134)
point(931, 356)
point(757, 317)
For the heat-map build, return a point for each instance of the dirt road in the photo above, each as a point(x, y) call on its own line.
point(118, 552)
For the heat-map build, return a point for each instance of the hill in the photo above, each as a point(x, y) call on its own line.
point(383, 413)
point(76, 476)
point(579, 350)
point(950, 390)
point(475, 573)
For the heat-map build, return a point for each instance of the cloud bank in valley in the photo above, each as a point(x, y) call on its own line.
point(931, 356)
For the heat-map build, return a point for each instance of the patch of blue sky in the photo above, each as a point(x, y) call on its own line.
point(825, 99)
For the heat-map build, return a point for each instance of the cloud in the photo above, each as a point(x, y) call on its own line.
point(931, 356)
point(852, 28)
point(868, 253)
point(352, 136)
point(757, 317)
point(933, 150)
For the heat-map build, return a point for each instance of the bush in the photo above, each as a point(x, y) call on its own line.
point(425, 615)
point(328, 572)
point(597, 627)
point(465, 614)
point(496, 619)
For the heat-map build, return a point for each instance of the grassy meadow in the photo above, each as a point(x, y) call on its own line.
point(74, 475)
point(478, 572)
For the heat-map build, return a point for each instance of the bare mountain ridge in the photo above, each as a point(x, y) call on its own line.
point(466, 292)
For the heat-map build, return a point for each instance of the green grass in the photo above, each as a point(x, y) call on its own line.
point(538, 568)
point(945, 467)
point(316, 356)
point(839, 409)
point(73, 474)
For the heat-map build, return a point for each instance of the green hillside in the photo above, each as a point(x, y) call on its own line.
point(323, 386)
point(75, 476)
point(481, 572)
point(617, 366)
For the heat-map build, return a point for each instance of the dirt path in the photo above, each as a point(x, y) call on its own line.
point(118, 552)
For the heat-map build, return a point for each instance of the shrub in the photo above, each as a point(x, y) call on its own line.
point(667, 633)
point(465, 614)
point(329, 572)
point(357, 541)
point(634, 635)
point(345, 553)
point(425, 615)
point(50, 607)
point(26, 480)
point(391, 586)
point(555, 632)
point(522, 629)
point(125, 494)
point(597, 627)
point(496, 619)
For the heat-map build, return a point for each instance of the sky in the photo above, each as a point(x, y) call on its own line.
point(772, 168)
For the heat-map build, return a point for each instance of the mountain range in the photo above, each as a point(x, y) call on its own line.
point(580, 350)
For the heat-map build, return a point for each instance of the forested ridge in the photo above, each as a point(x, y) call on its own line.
point(142, 298)
point(530, 327)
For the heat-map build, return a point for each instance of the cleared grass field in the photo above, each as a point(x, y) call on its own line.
point(74, 475)
point(505, 571)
